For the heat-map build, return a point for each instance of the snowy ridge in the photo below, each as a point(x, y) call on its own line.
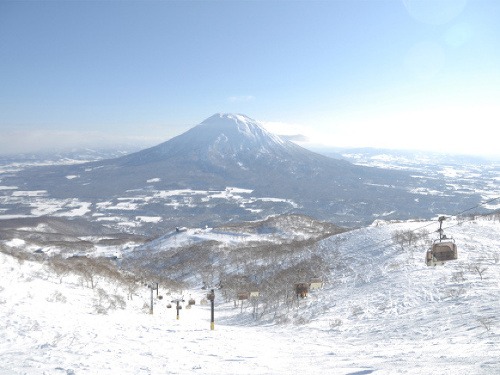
point(381, 311)
point(277, 229)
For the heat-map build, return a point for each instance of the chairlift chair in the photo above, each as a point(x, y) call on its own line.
point(444, 249)
point(243, 296)
point(441, 252)
point(301, 290)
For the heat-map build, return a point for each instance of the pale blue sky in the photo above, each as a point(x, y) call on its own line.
point(393, 73)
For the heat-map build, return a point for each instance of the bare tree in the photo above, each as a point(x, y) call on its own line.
point(478, 268)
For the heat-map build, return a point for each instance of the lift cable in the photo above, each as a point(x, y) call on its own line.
point(477, 205)
point(462, 212)
point(433, 223)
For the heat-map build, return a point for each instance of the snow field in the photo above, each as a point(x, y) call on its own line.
point(381, 311)
point(52, 328)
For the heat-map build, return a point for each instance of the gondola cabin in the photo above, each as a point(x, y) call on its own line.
point(441, 252)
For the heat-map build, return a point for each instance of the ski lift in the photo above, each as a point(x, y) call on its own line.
point(301, 290)
point(191, 301)
point(444, 249)
point(243, 296)
point(211, 296)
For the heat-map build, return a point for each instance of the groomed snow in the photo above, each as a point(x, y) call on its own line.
point(381, 311)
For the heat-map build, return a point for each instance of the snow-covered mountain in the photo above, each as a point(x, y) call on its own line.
point(229, 151)
point(381, 310)
point(220, 137)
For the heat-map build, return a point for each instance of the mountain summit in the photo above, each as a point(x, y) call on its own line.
point(220, 137)
point(238, 128)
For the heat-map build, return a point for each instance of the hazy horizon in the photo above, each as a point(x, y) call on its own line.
point(396, 74)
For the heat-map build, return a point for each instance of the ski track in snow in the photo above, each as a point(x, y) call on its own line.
point(386, 314)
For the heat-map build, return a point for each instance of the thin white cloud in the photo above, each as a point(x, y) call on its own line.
point(241, 99)
point(295, 132)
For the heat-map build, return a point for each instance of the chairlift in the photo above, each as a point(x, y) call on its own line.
point(301, 290)
point(211, 296)
point(444, 249)
point(243, 296)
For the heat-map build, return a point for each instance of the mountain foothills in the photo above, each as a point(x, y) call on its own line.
point(229, 168)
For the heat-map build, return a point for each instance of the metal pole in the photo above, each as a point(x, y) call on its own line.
point(441, 219)
point(178, 309)
point(212, 315)
point(151, 307)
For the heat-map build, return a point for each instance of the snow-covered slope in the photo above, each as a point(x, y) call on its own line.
point(445, 319)
point(381, 311)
